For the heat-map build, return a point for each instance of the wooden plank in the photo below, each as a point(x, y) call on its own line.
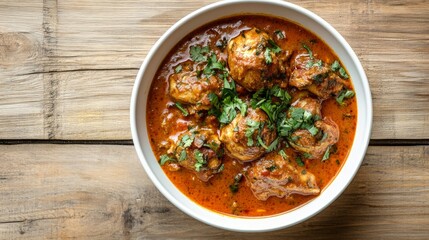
point(21, 51)
point(102, 192)
point(91, 50)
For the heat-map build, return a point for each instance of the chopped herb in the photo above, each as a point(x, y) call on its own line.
point(335, 66)
point(273, 145)
point(303, 172)
point(271, 168)
point(274, 47)
point(299, 161)
point(178, 69)
point(283, 154)
point(345, 93)
point(318, 63)
point(183, 110)
point(307, 155)
point(337, 161)
point(187, 141)
point(310, 53)
point(261, 142)
point(267, 55)
point(326, 155)
point(220, 169)
point(309, 64)
point(234, 187)
point(183, 155)
point(279, 34)
point(164, 158)
point(200, 160)
point(313, 130)
point(263, 99)
point(252, 126)
point(213, 64)
point(318, 79)
point(198, 53)
point(343, 73)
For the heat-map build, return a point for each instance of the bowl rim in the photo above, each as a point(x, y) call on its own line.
point(242, 224)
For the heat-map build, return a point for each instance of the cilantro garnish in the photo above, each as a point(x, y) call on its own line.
point(200, 160)
point(344, 94)
point(299, 161)
point(272, 48)
point(164, 158)
point(182, 109)
point(310, 53)
point(182, 155)
point(283, 154)
point(252, 126)
point(337, 67)
point(198, 53)
point(178, 69)
point(279, 34)
point(326, 155)
point(234, 186)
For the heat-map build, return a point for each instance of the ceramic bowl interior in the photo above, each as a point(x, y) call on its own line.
point(216, 11)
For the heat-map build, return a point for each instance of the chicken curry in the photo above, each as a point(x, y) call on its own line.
point(251, 115)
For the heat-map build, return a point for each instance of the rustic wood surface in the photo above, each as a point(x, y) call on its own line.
point(66, 73)
point(101, 192)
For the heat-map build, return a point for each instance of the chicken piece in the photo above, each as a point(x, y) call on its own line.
point(188, 87)
point(240, 137)
point(254, 61)
point(303, 141)
point(315, 76)
point(274, 176)
point(309, 104)
point(198, 150)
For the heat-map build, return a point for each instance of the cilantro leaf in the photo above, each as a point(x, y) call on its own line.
point(187, 141)
point(198, 53)
point(283, 154)
point(299, 161)
point(182, 155)
point(335, 66)
point(310, 53)
point(343, 73)
point(279, 34)
point(200, 160)
point(345, 93)
point(164, 158)
point(182, 109)
point(326, 155)
point(267, 56)
point(274, 47)
point(178, 69)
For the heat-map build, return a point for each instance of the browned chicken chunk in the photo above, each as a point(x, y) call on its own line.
point(273, 175)
point(198, 151)
point(255, 61)
point(187, 87)
point(314, 147)
point(314, 75)
point(243, 136)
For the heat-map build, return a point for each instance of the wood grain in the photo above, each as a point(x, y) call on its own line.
point(67, 67)
point(102, 192)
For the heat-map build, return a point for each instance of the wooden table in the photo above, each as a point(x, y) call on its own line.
point(68, 168)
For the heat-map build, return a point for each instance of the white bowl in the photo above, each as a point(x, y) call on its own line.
point(216, 11)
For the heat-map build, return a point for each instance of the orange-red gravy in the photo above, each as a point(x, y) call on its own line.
point(215, 194)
